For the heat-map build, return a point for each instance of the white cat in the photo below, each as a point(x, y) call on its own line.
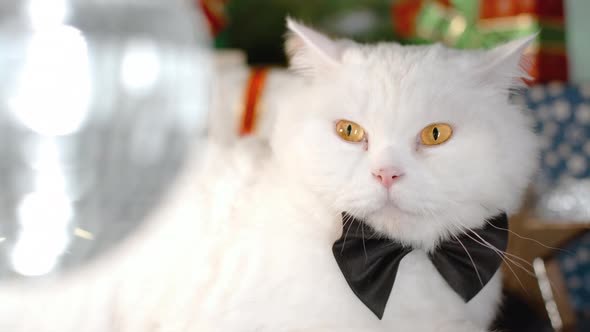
point(247, 246)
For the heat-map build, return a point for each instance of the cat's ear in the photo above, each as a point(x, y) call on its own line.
point(309, 51)
point(506, 66)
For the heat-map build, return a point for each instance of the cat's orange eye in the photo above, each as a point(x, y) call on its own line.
point(350, 131)
point(436, 133)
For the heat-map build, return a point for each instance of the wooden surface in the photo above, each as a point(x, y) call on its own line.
point(531, 238)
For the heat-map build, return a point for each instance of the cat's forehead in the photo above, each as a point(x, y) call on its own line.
point(393, 64)
point(390, 73)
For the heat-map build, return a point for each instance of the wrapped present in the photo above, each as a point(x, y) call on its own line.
point(562, 115)
point(486, 23)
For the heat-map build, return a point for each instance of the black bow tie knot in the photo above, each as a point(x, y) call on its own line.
point(369, 262)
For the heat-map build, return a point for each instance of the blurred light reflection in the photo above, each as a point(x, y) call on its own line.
point(47, 13)
point(140, 66)
point(44, 218)
point(44, 215)
point(53, 90)
point(84, 234)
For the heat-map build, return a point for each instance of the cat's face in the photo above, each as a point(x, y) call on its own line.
point(418, 141)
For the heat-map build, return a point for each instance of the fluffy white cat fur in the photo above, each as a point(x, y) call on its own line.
point(246, 246)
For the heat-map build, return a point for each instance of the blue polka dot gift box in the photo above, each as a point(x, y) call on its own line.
point(562, 117)
point(574, 266)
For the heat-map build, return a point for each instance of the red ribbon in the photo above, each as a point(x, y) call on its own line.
point(252, 99)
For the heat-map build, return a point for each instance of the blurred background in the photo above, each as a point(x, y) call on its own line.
point(103, 100)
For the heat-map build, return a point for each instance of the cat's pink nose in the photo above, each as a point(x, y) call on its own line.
point(387, 176)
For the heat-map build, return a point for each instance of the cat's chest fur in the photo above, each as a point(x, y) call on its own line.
point(266, 264)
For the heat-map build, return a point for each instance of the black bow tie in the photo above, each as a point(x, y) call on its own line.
point(369, 261)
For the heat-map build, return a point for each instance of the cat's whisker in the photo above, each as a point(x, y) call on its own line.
point(507, 260)
point(515, 275)
point(364, 247)
point(463, 229)
point(349, 219)
point(530, 273)
point(528, 238)
point(462, 245)
point(486, 243)
point(471, 259)
point(519, 259)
